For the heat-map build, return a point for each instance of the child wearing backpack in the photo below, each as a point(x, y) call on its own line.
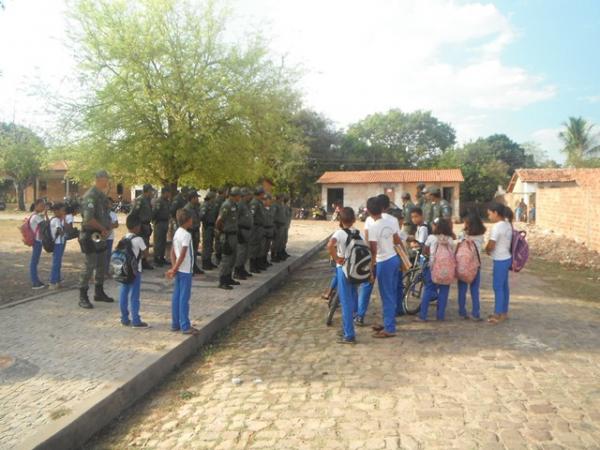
point(114, 224)
point(38, 216)
point(468, 253)
point(57, 230)
point(130, 292)
point(439, 248)
point(348, 294)
point(499, 248)
point(182, 269)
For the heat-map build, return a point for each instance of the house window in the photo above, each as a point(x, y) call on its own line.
point(120, 189)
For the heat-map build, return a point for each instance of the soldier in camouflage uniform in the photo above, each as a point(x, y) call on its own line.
point(227, 224)
point(269, 230)
point(427, 206)
point(440, 208)
point(279, 220)
point(179, 201)
point(142, 209)
point(209, 212)
point(245, 222)
point(161, 212)
point(95, 219)
point(193, 208)
point(257, 237)
point(407, 208)
point(421, 195)
point(221, 197)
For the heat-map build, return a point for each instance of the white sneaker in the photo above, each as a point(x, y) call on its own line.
point(54, 286)
point(38, 286)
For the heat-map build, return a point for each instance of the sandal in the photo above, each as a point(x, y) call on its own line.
point(494, 320)
point(377, 328)
point(193, 331)
point(419, 320)
point(383, 334)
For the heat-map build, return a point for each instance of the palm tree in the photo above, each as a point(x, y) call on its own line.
point(580, 142)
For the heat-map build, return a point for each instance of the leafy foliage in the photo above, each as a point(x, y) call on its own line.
point(581, 145)
point(168, 99)
point(22, 156)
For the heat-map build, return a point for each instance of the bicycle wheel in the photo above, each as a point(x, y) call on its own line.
point(334, 301)
point(413, 288)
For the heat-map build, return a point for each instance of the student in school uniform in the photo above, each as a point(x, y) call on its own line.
point(37, 217)
point(347, 291)
point(57, 229)
point(384, 234)
point(397, 214)
point(110, 240)
point(473, 231)
point(130, 293)
point(421, 229)
point(499, 248)
point(441, 231)
point(182, 270)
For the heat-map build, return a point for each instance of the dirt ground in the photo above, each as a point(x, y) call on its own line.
point(15, 257)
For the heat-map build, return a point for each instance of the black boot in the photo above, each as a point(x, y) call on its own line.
point(244, 272)
point(254, 266)
point(223, 284)
point(275, 258)
point(158, 263)
point(231, 282)
point(84, 301)
point(238, 275)
point(283, 256)
point(197, 270)
point(146, 265)
point(100, 295)
point(207, 265)
point(266, 262)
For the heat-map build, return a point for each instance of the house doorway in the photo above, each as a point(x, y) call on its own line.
point(448, 194)
point(334, 197)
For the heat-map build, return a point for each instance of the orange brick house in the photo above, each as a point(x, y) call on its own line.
point(352, 188)
point(567, 201)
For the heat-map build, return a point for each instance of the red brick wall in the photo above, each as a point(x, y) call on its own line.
point(572, 209)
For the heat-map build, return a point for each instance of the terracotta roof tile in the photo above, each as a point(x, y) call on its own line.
point(546, 175)
point(393, 176)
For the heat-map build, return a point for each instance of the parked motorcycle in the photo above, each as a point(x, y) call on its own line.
point(122, 207)
point(319, 213)
point(302, 214)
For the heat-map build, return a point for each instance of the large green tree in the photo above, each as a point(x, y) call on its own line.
point(22, 156)
point(580, 143)
point(167, 98)
point(399, 139)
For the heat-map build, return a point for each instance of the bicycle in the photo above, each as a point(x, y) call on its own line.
point(332, 305)
point(414, 281)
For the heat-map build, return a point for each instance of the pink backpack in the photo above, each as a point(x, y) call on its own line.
point(443, 270)
point(27, 234)
point(519, 250)
point(468, 261)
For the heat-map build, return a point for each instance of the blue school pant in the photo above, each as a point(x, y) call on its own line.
point(462, 296)
point(400, 295)
point(180, 303)
point(36, 252)
point(348, 298)
point(364, 296)
point(57, 256)
point(130, 294)
point(109, 244)
point(388, 272)
point(501, 287)
point(431, 292)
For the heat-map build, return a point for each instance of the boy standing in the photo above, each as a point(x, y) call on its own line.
point(57, 229)
point(182, 263)
point(130, 293)
point(38, 216)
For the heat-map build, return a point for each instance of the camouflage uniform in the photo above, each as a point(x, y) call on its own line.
point(228, 219)
point(257, 237)
point(161, 210)
point(209, 212)
point(245, 223)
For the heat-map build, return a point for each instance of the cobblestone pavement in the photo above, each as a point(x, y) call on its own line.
point(54, 355)
point(530, 383)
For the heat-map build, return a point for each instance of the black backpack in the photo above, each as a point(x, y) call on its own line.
point(124, 263)
point(357, 267)
point(46, 236)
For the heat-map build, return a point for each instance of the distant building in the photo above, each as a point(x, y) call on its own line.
point(353, 188)
point(524, 184)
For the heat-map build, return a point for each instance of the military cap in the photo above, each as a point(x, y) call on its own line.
point(426, 190)
point(147, 188)
point(259, 190)
point(421, 186)
point(245, 191)
point(102, 174)
point(434, 190)
point(210, 195)
point(235, 191)
point(405, 196)
point(192, 194)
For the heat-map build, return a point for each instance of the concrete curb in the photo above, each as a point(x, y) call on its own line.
point(93, 414)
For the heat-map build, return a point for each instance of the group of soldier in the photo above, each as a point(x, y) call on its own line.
point(429, 200)
point(236, 226)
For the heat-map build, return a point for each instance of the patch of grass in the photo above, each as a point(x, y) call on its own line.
point(186, 395)
point(58, 413)
point(568, 282)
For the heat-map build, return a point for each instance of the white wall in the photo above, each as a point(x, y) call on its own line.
point(356, 195)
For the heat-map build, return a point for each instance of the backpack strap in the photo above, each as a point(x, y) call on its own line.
point(351, 235)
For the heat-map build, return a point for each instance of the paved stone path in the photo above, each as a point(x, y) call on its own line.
point(530, 383)
point(55, 355)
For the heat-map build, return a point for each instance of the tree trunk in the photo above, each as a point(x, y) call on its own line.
point(20, 190)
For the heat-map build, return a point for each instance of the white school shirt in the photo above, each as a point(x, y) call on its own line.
point(432, 242)
point(69, 219)
point(382, 231)
point(181, 240)
point(34, 224)
point(113, 220)
point(137, 245)
point(501, 234)
point(422, 234)
point(341, 237)
point(55, 224)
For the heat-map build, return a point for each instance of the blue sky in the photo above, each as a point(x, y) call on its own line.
point(519, 67)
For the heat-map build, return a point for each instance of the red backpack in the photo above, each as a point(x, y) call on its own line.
point(27, 234)
point(468, 261)
point(443, 269)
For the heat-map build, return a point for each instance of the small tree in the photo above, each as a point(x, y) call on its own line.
point(580, 143)
point(22, 155)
